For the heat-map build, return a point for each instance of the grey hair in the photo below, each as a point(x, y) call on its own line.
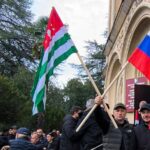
point(90, 103)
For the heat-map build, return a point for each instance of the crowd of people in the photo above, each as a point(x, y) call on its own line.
point(98, 132)
point(23, 139)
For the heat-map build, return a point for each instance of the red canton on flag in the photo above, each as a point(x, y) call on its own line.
point(141, 56)
point(54, 25)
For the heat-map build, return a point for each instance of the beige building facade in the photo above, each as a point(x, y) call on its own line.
point(129, 21)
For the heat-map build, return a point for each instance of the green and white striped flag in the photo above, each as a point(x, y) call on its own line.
point(57, 47)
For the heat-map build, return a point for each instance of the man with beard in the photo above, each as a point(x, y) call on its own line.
point(68, 139)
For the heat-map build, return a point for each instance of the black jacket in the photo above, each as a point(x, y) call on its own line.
point(21, 144)
point(68, 139)
point(3, 141)
point(118, 139)
point(140, 138)
point(41, 144)
point(54, 145)
point(93, 129)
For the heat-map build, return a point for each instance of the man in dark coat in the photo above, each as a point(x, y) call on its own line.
point(42, 138)
point(22, 141)
point(35, 140)
point(12, 132)
point(141, 135)
point(90, 135)
point(4, 138)
point(118, 139)
point(68, 140)
point(92, 131)
point(53, 141)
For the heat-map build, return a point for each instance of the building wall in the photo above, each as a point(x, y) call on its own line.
point(121, 44)
point(113, 10)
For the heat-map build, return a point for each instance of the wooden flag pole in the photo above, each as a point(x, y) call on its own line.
point(115, 78)
point(98, 92)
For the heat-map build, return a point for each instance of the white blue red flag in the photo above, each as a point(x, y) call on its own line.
point(141, 56)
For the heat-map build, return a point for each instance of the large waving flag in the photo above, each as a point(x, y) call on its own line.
point(141, 56)
point(57, 47)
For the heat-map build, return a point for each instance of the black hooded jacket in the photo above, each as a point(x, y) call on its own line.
point(68, 139)
point(93, 129)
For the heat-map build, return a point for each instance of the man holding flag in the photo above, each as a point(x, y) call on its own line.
point(57, 47)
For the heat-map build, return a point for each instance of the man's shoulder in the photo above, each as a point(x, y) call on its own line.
point(69, 119)
point(140, 126)
point(127, 124)
point(20, 142)
point(140, 129)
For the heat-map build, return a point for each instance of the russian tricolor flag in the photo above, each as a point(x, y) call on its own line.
point(140, 58)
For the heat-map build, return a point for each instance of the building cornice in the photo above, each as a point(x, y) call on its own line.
point(119, 20)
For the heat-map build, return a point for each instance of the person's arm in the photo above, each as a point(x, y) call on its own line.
point(101, 116)
point(102, 119)
point(6, 147)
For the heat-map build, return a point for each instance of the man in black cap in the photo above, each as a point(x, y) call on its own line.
point(141, 133)
point(118, 139)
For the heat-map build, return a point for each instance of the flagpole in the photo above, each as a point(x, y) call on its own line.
point(98, 92)
point(112, 82)
point(89, 75)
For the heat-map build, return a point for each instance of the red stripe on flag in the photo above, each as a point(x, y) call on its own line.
point(136, 117)
point(141, 61)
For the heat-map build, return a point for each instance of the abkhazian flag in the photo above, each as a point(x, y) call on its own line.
point(141, 56)
point(58, 46)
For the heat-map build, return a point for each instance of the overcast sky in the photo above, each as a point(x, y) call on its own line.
point(87, 20)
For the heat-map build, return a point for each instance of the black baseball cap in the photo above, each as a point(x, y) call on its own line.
point(145, 107)
point(119, 105)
